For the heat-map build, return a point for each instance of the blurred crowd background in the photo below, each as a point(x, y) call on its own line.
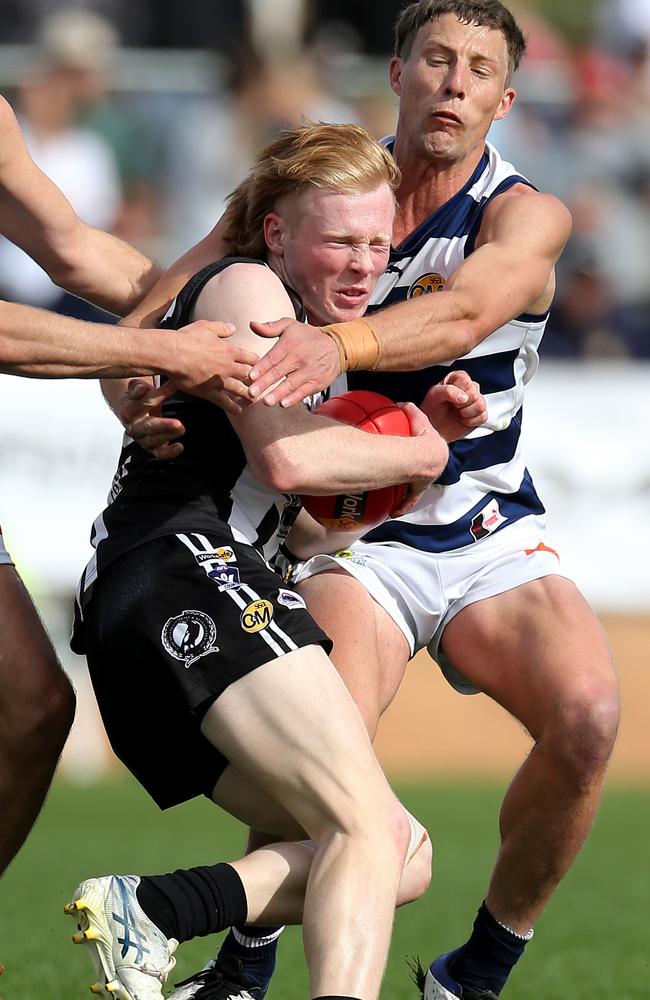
point(146, 113)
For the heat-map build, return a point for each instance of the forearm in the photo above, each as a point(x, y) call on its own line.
point(327, 457)
point(104, 270)
point(40, 344)
point(412, 335)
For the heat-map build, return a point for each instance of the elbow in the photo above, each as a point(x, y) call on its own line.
point(469, 335)
point(276, 468)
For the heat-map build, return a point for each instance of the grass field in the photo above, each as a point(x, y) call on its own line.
point(592, 943)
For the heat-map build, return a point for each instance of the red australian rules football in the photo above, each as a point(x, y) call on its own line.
point(376, 414)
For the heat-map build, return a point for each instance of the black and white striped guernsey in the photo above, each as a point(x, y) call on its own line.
point(210, 480)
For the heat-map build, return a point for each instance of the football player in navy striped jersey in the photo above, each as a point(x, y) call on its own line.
point(504, 620)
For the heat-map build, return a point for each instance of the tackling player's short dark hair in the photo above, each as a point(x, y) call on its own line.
point(479, 12)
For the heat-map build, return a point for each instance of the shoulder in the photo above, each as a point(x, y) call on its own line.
point(241, 280)
point(521, 209)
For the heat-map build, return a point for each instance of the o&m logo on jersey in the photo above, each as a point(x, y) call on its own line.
point(257, 616)
point(189, 636)
point(426, 284)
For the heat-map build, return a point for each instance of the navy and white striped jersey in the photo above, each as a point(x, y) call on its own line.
point(486, 484)
point(210, 481)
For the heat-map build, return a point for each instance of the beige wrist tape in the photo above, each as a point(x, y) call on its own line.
point(357, 344)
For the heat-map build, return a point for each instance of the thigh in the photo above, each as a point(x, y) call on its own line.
point(292, 727)
point(370, 652)
point(250, 803)
point(28, 663)
point(534, 649)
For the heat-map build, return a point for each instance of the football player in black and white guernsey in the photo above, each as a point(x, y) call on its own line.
point(468, 573)
point(210, 674)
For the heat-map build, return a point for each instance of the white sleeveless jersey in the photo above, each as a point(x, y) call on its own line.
point(486, 484)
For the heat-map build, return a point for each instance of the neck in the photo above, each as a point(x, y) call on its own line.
point(427, 184)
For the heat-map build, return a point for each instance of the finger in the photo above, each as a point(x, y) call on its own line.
point(272, 329)
point(271, 369)
point(156, 429)
point(236, 381)
point(231, 404)
point(137, 388)
point(418, 420)
point(458, 378)
point(221, 329)
point(152, 397)
point(167, 451)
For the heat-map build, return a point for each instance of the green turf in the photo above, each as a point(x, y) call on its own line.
point(592, 943)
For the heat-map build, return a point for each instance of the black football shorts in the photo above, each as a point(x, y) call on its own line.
point(169, 626)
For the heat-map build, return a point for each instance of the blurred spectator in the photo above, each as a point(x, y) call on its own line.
point(48, 104)
point(86, 44)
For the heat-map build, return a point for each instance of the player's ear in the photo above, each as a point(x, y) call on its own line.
point(274, 230)
point(508, 99)
point(395, 75)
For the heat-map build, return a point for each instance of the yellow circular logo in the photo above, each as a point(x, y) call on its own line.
point(257, 616)
point(426, 284)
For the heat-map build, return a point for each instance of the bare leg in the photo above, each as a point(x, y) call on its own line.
point(36, 712)
point(540, 652)
point(320, 767)
point(275, 877)
point(370, 652)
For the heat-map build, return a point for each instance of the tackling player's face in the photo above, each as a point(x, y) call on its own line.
point(331, 248)
point(452, 86)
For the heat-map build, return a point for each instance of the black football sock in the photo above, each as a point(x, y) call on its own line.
point(256, 948)
point(194, 902)
point(485, 961)
point(336, 998)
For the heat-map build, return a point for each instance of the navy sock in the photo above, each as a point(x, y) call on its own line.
point(251, 945)
point(485, 961)
point(194, 902)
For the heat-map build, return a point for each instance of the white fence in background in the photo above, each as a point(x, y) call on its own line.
point(586, 431)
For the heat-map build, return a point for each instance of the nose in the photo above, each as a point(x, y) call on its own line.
point(361, 260)
point(455, 84)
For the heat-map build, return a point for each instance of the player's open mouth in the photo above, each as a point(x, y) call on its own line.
point(353, 295)
point(447, 116)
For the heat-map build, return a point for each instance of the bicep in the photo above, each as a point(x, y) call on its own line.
point(513, 264)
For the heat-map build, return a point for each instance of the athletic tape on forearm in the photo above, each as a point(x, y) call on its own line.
point(357, 344)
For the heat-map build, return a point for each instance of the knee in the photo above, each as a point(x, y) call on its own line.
point(416, 876)
point(584, 731)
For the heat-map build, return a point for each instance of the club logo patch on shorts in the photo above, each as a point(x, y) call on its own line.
point(487, 521)
point(224, 554)
point(289, 599)
point(189, 636)
point(257, 616)
point(227, 577)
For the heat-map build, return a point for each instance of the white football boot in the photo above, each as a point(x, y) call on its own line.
point(132, 957)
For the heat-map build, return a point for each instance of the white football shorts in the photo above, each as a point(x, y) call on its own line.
point(5, 558)
point(423, 591)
